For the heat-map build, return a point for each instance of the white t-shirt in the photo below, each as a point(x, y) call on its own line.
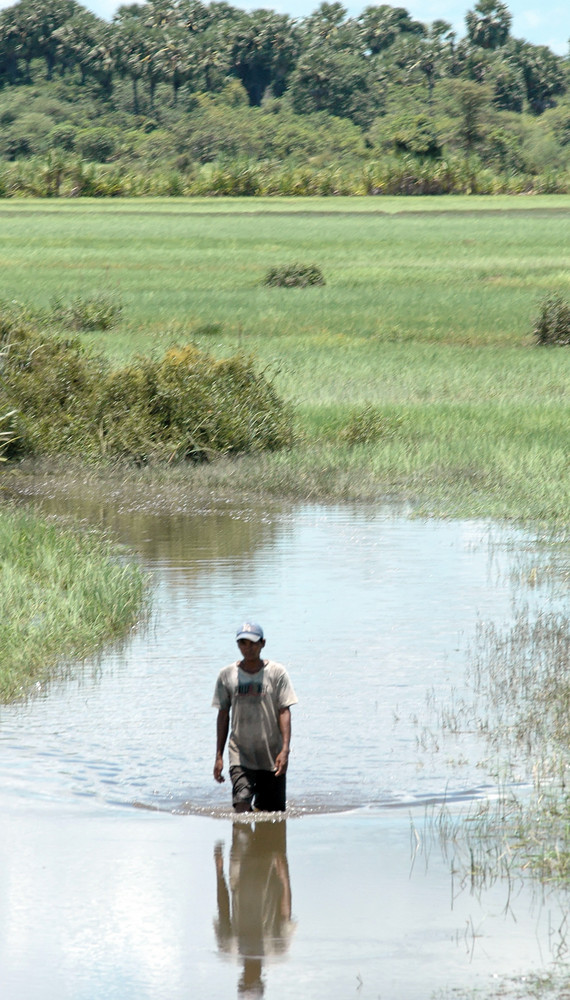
point(255, 701)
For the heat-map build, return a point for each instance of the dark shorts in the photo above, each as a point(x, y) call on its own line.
point(260, 789)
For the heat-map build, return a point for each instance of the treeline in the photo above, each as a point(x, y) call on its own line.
point(172, 85)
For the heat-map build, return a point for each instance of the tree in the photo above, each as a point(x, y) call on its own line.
point(381, 26)
point(262, 48)
point(428, 56)
point(130, 45)
point(178, 58)
point(473, 101)
point(334, 81)
point(488, 24)
point(10, 47)
point(508, 85)
point(39, 21)
point(543, 74)
point(211, 59)
point(86, 42)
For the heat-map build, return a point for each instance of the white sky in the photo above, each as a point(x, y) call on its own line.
point(546, 23)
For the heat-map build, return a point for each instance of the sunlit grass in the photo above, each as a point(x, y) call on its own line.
point(447, 270)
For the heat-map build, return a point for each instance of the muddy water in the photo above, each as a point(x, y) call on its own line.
point(374, 614)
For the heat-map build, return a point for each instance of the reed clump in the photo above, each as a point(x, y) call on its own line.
point(552, 325)
point(63, 593)
point(185, 405)
point(294, 276)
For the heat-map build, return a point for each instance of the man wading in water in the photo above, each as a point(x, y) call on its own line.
point(259, 694)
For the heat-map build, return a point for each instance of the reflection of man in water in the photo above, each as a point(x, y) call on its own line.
point(254, 915)
point(258, 693)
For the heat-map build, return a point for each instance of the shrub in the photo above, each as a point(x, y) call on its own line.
point(552, 325)
point(294, 276)
point(62, 137)
point(96, 143)
point(186, 405)
point(96, 312)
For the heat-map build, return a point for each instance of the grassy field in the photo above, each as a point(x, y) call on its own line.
point(413, 370)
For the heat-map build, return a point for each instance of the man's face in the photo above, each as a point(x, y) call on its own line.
point(250, 650)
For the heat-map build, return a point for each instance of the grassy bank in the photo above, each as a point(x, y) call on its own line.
point(412, 371)
point(63, 593)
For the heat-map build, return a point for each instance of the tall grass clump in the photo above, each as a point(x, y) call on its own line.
point(63, 593)
point(185, 405)
point(294, 276)
point(552, 325)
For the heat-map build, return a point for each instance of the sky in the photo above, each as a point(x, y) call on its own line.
point(542, 23)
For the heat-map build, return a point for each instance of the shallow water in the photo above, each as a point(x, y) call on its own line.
point(374, 614)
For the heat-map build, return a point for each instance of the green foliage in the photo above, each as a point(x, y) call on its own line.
point(552, 325)
point(339, 83)
point(274, 105)
point(488, 24)
point(185, 405)
point(294, 276)
point(96, 143)
point(416, 134)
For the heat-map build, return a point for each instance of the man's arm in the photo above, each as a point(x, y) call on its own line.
point(222, 729)
point(282, 759)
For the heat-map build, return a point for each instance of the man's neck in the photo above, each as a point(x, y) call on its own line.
point(252, 668)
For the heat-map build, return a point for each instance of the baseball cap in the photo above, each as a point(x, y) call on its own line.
point(251, 631)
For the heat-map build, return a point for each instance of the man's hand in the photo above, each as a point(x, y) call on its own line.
point(281, 762)
point(218, 768)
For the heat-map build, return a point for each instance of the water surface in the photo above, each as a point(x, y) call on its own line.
point(374, 614)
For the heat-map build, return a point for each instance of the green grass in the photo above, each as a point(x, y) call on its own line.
point(426, 317)
point(63, 593)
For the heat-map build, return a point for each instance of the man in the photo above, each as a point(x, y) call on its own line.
point(258, 695)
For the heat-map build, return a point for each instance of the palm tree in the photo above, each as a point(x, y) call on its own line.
point(488, 24)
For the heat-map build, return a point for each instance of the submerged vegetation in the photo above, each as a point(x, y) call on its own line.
point(63, 593)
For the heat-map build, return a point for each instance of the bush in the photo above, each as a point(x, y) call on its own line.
point(186, 405)
point(62, 137)
point(294, 276)
point(552, 325)
point(97, 312)
point(96, 143)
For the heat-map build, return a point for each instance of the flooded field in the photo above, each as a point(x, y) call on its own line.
point(123, 873)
